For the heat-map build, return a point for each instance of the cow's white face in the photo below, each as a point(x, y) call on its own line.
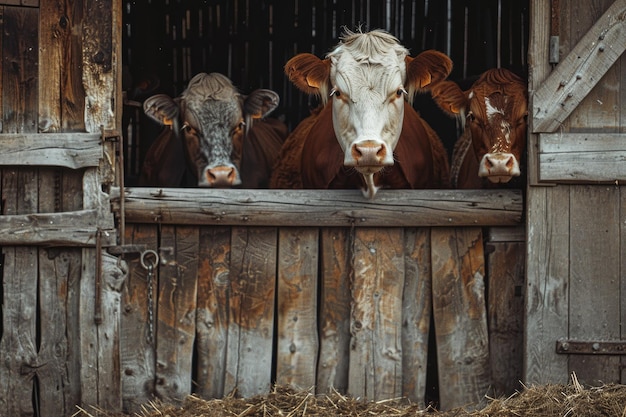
point(368, 107)
point(366, 76)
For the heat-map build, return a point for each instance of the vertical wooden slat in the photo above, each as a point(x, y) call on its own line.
point(334, 315)
point(297, 344)
point(176, 311)
point(416, 313)
point(251, 321)
point(60, 380)
point(622, 273)
point(547, 287)
point(18, 343)
point(137, 356)
point(594, 290)
point(460, 316)
point(214, 282)
point(376, 347)
point(506, 257)
point(57, 377)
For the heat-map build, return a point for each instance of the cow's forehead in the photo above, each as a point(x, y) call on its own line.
point(374, 59)
point(352, 75)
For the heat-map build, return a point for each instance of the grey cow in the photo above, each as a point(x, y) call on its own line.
point(202, 143)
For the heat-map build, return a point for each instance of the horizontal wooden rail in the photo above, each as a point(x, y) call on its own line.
point(392, 208)
point(582, 157)
point(72, 228)
point(70, 150)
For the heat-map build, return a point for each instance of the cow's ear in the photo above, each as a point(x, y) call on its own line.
point(427, 69)
point(260, 103)
point(162, 108)
point(309, 73)
point(449, 96)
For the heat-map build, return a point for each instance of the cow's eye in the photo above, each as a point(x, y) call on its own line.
point(401, 92)
point(470, 117)
point(335, 92)
point(189, 130)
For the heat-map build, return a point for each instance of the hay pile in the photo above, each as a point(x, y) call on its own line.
point(536, 401)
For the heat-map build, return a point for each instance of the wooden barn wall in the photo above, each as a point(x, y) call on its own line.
point(250, 42)
point(57, 76)
point(576, 217)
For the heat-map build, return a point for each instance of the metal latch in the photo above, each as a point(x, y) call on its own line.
point(577, 347)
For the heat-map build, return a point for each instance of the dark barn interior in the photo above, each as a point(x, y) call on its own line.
point(167, 42)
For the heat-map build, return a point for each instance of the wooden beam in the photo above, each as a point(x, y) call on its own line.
point(70, 150)
point(74, 228)
point(390, 208)
point(581, 70)
point(582, 157)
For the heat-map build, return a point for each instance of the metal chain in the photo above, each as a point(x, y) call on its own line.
point(150, 268)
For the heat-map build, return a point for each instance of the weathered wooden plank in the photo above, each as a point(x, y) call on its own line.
point(72, 228)
point(622, 256)
point(296, 326)
point(594, 269)
point(460, 317)
point(176, 314)
point(139, 295)
point(18, 344)
point(214, 282)
point(390, 208)
point(505, 280)
point(99, 324)
point(375, 369)
point(547, 285)
point(99, 79)
point(584, 66)
point(70, 150)
point(334, 315)
point(582, 157)
point(416, 313)
point(251, 321)
point(55, 271)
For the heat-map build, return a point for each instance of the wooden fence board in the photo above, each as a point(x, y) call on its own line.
point(390, 208)
point(460, 316)
point(375, 369)
point(334, 316)
point(505, 261)
point(137, 354)
point(582, 157)
point(296, 327)
point(18, 344)
point(547, 271)
point(69, 150)
point(214, 282)
point(416, 313)
point(176, 323)
point(251, 321)
point(54, 282)
point(71, 228)
point(594, 313)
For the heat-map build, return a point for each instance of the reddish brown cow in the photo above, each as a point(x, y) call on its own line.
point(367, 136)
point(493, 114)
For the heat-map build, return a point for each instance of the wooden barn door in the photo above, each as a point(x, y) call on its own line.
point(60, 292)
point(576, 204)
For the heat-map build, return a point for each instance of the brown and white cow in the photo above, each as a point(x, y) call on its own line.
point(367, 135)
point(493, 115)
point(208, 130)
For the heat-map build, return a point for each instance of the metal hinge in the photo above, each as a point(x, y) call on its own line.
point(577, 347)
